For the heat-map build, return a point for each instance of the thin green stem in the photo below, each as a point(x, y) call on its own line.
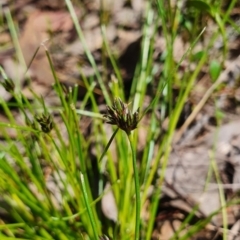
point(221, 193)
point(108, 145)
point(86, 49)
point(87, 202)
point(137, 187)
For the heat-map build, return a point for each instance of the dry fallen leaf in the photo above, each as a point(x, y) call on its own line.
point(36, 30)
point(188, 169)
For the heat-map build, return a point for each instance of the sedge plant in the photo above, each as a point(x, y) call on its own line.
point(39, 151)
point(120, 114)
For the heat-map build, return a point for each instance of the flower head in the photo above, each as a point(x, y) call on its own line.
point(46, 122)
point(119, 114)
point(8, 84)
